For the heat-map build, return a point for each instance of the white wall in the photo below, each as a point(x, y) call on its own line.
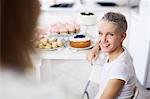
point(140, 40)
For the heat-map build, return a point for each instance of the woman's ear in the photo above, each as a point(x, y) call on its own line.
point(123, 36)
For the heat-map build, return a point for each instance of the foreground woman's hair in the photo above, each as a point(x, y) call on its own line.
point(18, 19)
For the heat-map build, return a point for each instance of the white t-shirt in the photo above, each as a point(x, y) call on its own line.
point(121, 68)
point(16, 86)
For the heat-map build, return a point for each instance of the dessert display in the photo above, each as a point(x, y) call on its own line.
point(86, 18)
point(80, 41)
point(64, 29)
point(48, 42)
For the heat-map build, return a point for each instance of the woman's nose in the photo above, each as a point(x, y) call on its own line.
point(103, 38)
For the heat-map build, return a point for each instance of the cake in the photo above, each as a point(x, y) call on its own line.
point(64, 28)
point(86, 18)
point(80, 41)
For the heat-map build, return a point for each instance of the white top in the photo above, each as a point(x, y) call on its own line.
point(121, 68)
point(16, 86)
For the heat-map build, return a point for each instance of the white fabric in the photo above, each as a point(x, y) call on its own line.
point(16, 86)
point(121, 68)
point(97, 68)
point(95, 74)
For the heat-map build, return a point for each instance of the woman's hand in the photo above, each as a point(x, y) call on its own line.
point(93, 54)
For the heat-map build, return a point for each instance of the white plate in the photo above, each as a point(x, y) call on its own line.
point(53, 49)
point(61, 35)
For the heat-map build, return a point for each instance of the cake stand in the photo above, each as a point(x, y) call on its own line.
point(86, 20)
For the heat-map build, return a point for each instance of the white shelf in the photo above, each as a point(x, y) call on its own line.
point(89, 7)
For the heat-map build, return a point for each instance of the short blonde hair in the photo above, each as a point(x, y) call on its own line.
point(118, 19)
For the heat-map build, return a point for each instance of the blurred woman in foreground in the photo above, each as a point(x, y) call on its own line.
point(18, 20)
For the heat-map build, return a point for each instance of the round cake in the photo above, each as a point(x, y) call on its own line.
point(80, 41)
point(86, 18)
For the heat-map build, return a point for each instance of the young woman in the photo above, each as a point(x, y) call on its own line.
point(118, 76)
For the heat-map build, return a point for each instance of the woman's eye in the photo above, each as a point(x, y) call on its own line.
point(99, 33)
point(111, 34)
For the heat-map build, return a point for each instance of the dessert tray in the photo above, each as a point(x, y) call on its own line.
point(49, 43)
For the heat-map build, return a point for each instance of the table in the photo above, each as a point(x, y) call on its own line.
point(61, 54)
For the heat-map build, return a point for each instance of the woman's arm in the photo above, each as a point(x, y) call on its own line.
point(112, 89)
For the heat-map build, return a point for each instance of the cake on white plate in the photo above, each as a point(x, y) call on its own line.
point(86, 18)
point(80, 41)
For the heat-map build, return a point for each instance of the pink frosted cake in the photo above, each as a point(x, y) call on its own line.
point(65, 28)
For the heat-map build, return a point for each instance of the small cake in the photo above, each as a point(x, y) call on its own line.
point(64, 28)
point(86, 18)
point(80, 41)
